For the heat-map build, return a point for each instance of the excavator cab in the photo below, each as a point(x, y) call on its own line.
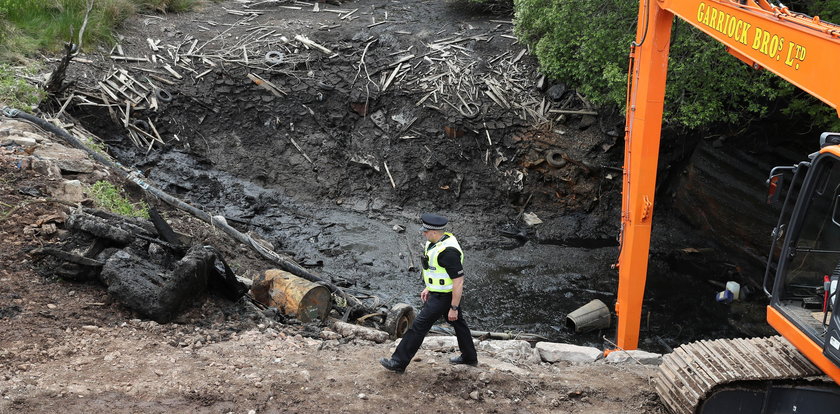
point(805, 252)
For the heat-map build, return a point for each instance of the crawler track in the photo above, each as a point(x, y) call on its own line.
point(688, 375)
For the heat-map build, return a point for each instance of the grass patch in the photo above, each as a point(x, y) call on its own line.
point(27, 26)
point(95, 145)
point(46, 25)
point(16, 92)
point(169, 6)
point(109, 197)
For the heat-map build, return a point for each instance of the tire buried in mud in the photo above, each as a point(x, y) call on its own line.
point(398, 319)
point(555, 159)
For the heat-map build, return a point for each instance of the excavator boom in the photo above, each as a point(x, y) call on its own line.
point(805, 51)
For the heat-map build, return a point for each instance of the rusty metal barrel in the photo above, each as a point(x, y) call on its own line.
point(292, 295)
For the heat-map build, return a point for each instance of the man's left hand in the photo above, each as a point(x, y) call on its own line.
point(453, 315)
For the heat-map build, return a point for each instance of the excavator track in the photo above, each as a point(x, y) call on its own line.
point(688, 375)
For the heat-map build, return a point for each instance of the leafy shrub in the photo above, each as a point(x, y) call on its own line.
point(586, 43)
point(111, 198)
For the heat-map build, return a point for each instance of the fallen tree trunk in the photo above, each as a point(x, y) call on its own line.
point(362, 332)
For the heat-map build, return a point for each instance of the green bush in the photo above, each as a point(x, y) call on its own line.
point(586, 44)
point(111, 198)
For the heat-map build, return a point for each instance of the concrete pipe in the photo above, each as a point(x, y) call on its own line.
point(292, 295)
point(594, 315)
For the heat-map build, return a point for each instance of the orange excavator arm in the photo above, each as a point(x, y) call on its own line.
point(803, 50)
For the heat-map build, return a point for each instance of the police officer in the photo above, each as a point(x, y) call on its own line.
point(443, 274)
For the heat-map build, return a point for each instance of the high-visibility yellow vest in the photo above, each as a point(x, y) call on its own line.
point(435, 277)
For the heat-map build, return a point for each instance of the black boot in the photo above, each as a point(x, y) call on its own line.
point(392, 365)
point(458, 360)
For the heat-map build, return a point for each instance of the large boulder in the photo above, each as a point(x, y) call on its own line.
point(554, 352)
point(513, 350)
point(633, 356)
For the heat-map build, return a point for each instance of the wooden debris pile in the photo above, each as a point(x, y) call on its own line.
point(447, 74)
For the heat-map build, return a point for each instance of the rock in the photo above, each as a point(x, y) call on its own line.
point(512, 350)
point(67, 159)
point(501, 366)
point(643, 357)
point(329, 335)
point(554, 352)
point(45, 167)
point(24, 142)
point(474, 395)
point(362, 396)
point(556, 92)
point(586, 121)
point(439, 343)
point(531, 219)
point(69, 190)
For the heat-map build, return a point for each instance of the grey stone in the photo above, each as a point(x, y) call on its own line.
point(512, 350)
point(67, 159)
point(19, 140)
point(45, 167)
point(586, 121)
point(556, 92)
point(643, 357)
point(69, 190)
point(554, 352)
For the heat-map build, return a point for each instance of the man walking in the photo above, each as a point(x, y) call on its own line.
point(443, 274)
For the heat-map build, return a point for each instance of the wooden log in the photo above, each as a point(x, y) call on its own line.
point(362, 332)
point(130, 59)
point(571, 112)
point(266, 84)
point(310, 43)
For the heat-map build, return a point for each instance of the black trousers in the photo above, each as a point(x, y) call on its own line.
point(436, 307)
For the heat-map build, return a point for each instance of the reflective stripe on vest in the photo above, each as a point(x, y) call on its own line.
point(435, 277)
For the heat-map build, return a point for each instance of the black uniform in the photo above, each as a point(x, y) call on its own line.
point(437, 306)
